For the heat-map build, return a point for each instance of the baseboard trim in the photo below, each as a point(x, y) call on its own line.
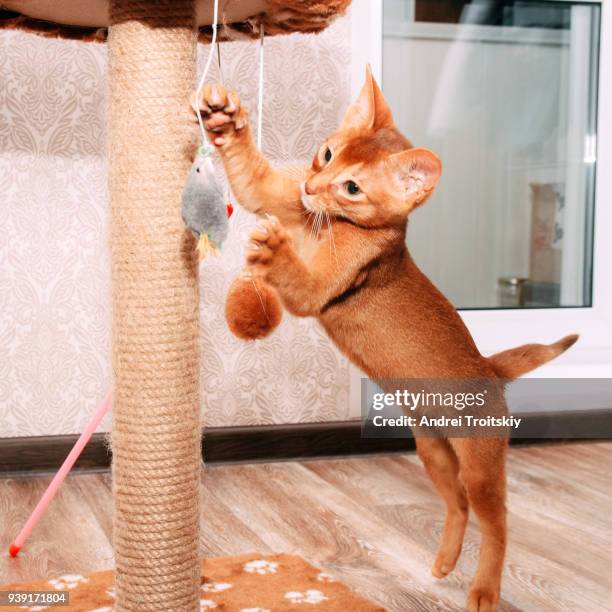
point(47, 453)
point(295, 441)
point(284, 442)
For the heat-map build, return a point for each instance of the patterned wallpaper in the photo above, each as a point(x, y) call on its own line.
point(54, 265)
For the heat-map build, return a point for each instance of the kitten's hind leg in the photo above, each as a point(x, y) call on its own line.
point(442, 466)
point(482, 470)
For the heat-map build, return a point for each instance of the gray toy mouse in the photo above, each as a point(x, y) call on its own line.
point(204, 209)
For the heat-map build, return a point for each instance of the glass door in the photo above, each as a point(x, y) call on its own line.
point(506, 93)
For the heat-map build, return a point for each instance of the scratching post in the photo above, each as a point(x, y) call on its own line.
point(156, 425)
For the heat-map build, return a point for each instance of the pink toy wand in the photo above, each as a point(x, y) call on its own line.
point(49, 494)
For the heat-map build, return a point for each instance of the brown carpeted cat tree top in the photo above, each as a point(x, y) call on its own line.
point(156, 424)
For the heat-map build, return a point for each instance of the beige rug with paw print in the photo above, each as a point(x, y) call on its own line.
point(244, 583)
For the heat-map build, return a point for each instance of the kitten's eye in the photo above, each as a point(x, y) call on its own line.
point(327, 156)
point(352, 187)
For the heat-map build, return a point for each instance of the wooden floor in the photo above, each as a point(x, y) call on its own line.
point(374, 522)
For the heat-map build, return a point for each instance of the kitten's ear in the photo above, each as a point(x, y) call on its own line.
point(370, 111)
point(415, 173)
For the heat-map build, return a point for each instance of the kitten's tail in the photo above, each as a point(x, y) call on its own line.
point(515, 362)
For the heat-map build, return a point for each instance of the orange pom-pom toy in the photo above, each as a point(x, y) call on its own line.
point(252, 308)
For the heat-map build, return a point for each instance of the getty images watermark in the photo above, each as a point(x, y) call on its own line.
point(428, 403)
point(525, 408)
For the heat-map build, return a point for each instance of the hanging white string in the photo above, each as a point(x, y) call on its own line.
point(213, 42)
point(219, 62)
point(261, 84)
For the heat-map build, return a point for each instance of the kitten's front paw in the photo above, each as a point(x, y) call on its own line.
point(222, 113)
point(267, 240)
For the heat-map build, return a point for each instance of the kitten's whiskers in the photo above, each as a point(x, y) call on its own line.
point(314, 232)
point(263, 306)
point(319, 223)
point(332, 242)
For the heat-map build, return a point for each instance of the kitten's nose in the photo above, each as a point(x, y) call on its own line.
point(309, 190)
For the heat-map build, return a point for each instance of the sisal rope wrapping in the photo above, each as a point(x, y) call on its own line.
point(156, 424)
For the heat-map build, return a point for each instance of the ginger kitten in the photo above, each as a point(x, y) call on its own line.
point(333, 244)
